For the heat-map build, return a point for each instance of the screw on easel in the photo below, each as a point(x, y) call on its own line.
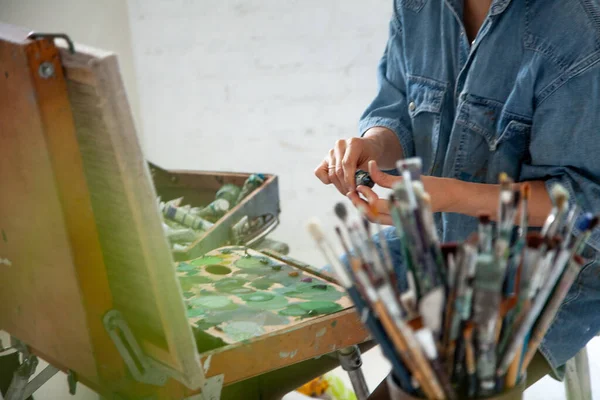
point(72, 381)
point(46, 70)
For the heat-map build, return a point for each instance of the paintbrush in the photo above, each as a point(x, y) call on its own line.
point(471, 365)
point(507, 305)
point(314, 228)
point(531, 316)
point(368, 293)
point(567, 232)
point(586, 226)
point(485, 234)
point(551, 309)
point(427, 342)
point(406, 347)
point(524, 221)
point(560, 197)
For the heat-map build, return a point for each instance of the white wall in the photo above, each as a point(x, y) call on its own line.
point(257, 86)
point(98, 23)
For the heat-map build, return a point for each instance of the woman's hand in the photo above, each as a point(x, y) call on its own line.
point(344, 159)
point(375, 209)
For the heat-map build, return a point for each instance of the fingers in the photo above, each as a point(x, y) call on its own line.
point(380, 178)
point(331, 172)
point(321, 172)
point(339, 152)
point(375, 209)
point(349, 163)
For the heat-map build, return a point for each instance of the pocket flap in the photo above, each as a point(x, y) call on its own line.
point(424, 95)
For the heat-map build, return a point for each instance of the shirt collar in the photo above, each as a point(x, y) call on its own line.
point(498, 6)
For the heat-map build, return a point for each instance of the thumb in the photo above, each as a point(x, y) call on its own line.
point(380, 178)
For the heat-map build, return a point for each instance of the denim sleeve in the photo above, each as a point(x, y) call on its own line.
point(389, 109)
point(565, 143)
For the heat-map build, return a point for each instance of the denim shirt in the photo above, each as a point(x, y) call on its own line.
point(523, 98)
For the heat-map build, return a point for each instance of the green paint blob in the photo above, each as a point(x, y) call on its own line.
point(184, 267)
point(243, 330)
point(294, 310)
point(188, 282)
point(263, 318)
point(242, 290)
point(206, 260)
point(195, 312)
point(269, 301)
point(312, 291)
point(320, 307)
point(253, 262)
point(187, 295)
point(204, 325)
point(214, 303)
point(228, 285)
point(218, 270)
point(333, 324)
point(258, 296)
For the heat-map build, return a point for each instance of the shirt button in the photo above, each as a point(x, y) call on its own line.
point(412, 106)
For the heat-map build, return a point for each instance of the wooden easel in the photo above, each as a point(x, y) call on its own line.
point(84, 249)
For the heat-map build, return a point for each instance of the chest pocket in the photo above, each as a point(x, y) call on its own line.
point(491, 141)
point(425, 102)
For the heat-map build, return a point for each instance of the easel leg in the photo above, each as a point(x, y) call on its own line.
point(577, 377)
point(351, 363)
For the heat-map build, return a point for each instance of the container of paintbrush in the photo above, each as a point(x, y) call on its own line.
point(397, 393)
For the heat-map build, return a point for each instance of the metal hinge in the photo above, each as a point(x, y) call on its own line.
point(211, 390)
point(138, 364)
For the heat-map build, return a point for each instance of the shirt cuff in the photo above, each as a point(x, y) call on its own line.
point(403, 135)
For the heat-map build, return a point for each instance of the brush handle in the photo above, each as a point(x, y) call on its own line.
point(550, 311)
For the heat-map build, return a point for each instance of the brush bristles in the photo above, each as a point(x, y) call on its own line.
point(526, 191)
point(594, 223)
point(341, 211)
point(559, 193)
point(468, 331)
point(314, 228)
point(484, 219)
point(534, 240)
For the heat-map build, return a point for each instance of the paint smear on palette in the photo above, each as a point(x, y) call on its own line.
point(235, 295)
point(243, 330)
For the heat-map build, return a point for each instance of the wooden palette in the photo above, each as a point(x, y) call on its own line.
point(236, 294)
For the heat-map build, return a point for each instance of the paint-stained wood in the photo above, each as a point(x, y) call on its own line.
point(45, 219)
point(80, 226)
point(136, 254)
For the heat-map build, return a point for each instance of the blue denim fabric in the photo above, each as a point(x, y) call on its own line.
point(524, 99)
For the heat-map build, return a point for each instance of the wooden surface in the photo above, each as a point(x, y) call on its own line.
point(136, 254)
point(45, 218)
point(80, 226)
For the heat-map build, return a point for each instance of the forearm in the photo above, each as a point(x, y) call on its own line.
point(388, 147)
point(474, 199)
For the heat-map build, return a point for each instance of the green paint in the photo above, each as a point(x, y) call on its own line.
point(253, 262)
point(311, 291)
point(187, 295)
point(259, 296)
point(188, 282)
point(206, 260)
point(214, 303)
point(281, 277)
point(264, 301)
point(195, 312)
point(202, 324)
point(294, 310)
point(231, 285)
point(333, 324)
point(243, 330)
point(320, 307)
point(263, 318)
point(184, 267)
point(218, 270)
point(4, 237)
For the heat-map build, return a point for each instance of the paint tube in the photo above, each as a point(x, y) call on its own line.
point(253, 182)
